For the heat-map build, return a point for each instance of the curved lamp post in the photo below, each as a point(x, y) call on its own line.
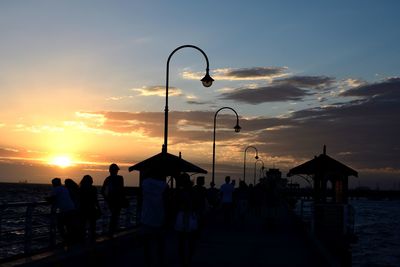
point(237, 129)
point(206, 80)
point(244, 164)
point(255, 168)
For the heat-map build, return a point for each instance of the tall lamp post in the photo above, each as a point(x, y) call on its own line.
point(206, 80)
point(237, 129)
point(255, 168)
point(244, 164)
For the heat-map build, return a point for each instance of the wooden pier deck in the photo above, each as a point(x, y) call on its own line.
point(282, 242)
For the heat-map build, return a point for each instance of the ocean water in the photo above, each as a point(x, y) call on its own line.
point(377, 225)
point(12, 218)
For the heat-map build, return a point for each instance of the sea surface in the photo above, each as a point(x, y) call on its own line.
point(377, 225)
point(12, 217)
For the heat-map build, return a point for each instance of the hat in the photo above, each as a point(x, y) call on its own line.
point(114, 167)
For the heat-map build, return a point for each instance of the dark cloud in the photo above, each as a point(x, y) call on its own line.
point(389, 87)
point(256, 72)
point(363, 133)
point(195, 102)
point(309, 82)
point(286, 89)
point(273, 93)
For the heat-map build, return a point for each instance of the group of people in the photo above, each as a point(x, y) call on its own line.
point(77, 206)
point(183, 209)
point(188, 208)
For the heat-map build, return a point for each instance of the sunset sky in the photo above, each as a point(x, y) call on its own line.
point(82, 85)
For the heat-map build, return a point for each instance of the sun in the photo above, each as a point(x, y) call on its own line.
point(61, 161)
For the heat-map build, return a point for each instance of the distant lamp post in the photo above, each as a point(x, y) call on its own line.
point(237, 129)
point(244, 164)
point(255, 168)
point(206, 81)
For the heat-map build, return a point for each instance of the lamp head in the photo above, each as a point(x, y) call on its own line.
point(207, 80)
point(237, 128)
point(256, 157)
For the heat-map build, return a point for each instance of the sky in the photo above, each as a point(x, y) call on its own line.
point(82, 85)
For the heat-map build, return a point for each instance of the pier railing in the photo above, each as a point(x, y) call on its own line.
point(28, 227)
point(344, 212)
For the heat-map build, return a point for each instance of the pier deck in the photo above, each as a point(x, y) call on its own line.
point(258, 243)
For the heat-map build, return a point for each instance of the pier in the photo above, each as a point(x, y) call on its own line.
point(280, 240)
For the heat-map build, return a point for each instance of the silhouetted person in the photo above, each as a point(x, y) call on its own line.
point(252, 198)
point(89, 209)
point(213, 196)
point(200, 200)
point(154, 191)
point(186, 223)
point(65, 209)
point(114, 194)
point(226, 191)
point(242, 197)
point(73, 189)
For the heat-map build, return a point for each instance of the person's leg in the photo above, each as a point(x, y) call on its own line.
point(61, 227)
point(181, 247)
point(192, 237)
point(92, 229)
point(160, 246)
point(147, 250)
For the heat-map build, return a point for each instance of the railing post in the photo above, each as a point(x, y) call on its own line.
point(127, 216)
point(28, 227)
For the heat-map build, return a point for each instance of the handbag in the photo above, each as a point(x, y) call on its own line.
point(186, 222)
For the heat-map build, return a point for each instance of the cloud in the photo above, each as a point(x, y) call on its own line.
point(309, 82)
point(195, 102)
point(230, 74)
point(362, 133)
point(184, 126)
point(292, 88)
point(273, 93)
point(158, 90)
point(389, 87)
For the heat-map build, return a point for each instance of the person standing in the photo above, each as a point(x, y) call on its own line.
point(89, 208)
point(187, 223)
point(154, 191)
point(227, 199)
point(64, 207)
point(200, 201)
point(113, 191)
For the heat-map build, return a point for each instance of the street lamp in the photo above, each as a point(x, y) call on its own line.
point(244, 164)
point(206, 81)
point(255, 168)
point(237, 129)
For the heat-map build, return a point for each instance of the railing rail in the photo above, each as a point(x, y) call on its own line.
point(26, 227)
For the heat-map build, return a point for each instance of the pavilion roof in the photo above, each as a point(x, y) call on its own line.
point(171, 164)
point(322, 164)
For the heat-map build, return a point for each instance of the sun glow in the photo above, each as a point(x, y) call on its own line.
point(61, 161)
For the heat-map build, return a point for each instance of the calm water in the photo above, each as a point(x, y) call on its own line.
point(377, 224)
